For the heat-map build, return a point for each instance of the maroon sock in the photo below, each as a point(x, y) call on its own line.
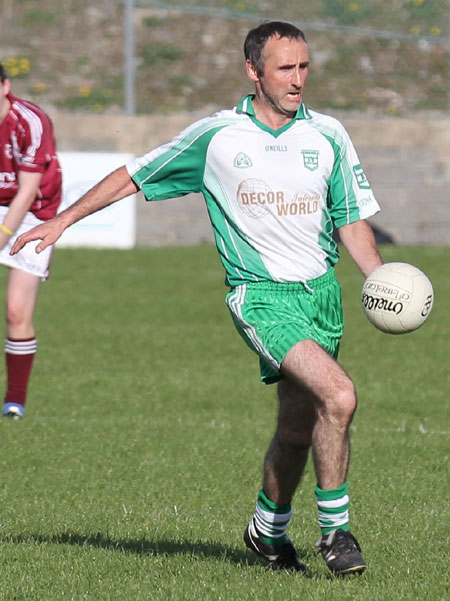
point(19, 361)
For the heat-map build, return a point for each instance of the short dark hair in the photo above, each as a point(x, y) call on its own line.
point(256, 39)
point(3, 75)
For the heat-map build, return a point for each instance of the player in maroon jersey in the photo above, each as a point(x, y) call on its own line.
point(30, 192)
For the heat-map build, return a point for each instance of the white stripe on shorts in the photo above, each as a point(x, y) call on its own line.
point(235, 302)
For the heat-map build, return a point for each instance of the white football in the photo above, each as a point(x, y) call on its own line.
point(397, 298)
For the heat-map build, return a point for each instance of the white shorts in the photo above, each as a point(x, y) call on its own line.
point(27, 259)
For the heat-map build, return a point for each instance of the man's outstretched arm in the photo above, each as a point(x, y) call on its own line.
point(359, 240)
point(114, 187)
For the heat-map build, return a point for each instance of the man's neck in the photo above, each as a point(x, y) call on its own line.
point(269, 116)
point(4, 109)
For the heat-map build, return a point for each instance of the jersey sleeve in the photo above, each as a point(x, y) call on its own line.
point(350, 196)
point(176, 168)
point(34, 152)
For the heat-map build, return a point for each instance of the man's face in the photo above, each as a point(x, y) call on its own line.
point(284, 75)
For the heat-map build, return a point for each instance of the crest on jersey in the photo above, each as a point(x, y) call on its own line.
point(242, 161)
point(311, 159)
point(361, 178)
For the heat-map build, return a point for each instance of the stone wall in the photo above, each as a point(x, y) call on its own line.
point(406, 160)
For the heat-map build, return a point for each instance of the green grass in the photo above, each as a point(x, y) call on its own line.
point(137, 466)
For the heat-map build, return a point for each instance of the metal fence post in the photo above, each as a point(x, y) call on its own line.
point(129, 59)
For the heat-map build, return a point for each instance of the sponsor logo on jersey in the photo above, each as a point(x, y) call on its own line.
point(242, 161)
point(301, 204)
point(7, 179)
point(256, 199)
point(361, 178)
point(363, 202)
point(8, 151)
point(311, 159)
point(276, 148)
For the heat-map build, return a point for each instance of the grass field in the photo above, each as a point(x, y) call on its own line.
point(137, 466)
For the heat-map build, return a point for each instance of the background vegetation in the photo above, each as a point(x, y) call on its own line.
point(371, 55)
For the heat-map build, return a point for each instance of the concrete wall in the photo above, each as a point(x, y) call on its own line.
point(406, 160)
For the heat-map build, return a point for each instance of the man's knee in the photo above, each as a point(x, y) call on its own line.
point(15, 316)
point(341, 404)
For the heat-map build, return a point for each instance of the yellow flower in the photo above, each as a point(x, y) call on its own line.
point(415, 30)
point(85, 91)
point(435, 30)
point(418, 2)
point(40, 87)
point(24, 64)
point(353, 6)
point(10, 62)
point(13, 71)
point(97, 107)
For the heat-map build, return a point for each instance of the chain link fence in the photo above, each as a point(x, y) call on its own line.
point(367, 55)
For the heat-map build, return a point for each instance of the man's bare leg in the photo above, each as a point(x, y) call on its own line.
point(288, 452)
point(20, 347)
point(317, 403)
point(318, 377)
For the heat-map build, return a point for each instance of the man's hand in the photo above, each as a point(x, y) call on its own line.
point(113, 187)
point(48, 232)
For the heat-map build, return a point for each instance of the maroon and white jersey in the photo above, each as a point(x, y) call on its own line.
point(27, 144)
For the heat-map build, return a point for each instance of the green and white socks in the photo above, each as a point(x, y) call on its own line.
point(333, 508)
point(271, 520)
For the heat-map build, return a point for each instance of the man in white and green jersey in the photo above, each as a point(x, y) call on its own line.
point(277, 179)
point(274, 196)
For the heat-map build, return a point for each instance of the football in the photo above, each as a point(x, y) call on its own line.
point(397, 298)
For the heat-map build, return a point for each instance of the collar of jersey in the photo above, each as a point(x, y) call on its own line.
point(11, 98)
point(246, 106)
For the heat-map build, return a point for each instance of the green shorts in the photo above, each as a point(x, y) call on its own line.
point(272, 317)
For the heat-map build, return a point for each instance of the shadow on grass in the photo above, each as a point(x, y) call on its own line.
point(146, 547)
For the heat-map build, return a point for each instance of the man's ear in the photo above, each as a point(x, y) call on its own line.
point(7, 86)
point(252, 71)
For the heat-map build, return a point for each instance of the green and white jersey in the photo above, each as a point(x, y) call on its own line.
point(273, 196)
